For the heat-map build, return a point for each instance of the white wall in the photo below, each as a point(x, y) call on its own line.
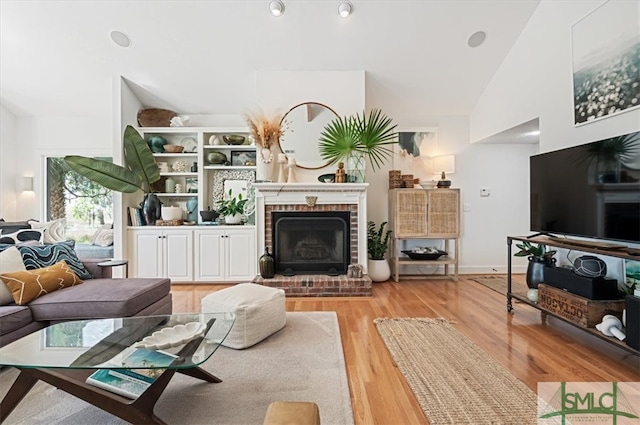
point(535, 80)
point(8, 166)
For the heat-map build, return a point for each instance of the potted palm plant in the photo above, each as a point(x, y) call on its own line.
point(351, 139)
point(539, 258)
point(377, 245)
point(232, 208)
point(140, 172)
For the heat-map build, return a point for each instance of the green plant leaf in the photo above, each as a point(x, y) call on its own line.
point(105, 173)
point(139, 157)
point(369, 135)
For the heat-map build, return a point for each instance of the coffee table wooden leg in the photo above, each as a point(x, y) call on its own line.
point(196, 372)
point(21, 386)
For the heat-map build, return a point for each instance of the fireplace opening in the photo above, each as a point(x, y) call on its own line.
point(311, 242)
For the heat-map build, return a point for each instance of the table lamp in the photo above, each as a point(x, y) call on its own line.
point(444, 164)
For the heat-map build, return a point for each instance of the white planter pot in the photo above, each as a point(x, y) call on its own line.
point(233, 219)
point(379, 270)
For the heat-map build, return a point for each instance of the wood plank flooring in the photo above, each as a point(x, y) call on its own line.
point(532, 350)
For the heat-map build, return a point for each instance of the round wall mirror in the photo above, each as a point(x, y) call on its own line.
point(302, 127)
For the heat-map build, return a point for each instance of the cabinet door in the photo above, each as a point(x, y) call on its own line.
point(147, 254)
point(443, 212)
point(178, 255)
point(241, 254)
point(408, 212)
point(209, 255)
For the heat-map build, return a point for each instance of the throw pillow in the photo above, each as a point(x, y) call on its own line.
point(28, 285)
point(10, 261)
point(12, 226)
point(103, 236)
point(35, 257)
point(24, 236)
point(53, 230)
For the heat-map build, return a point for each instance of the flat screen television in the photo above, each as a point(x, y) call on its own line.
point(591, 190)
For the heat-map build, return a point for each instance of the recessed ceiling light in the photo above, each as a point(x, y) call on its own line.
point(344, 9)
point(120, 38)
point(477, 38)
point(276, 7)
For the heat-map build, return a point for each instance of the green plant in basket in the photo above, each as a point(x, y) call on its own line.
point(377, 244)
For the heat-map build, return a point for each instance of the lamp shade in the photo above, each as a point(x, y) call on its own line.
point(444, 163)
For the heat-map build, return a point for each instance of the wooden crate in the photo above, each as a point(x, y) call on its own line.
point(576, 309)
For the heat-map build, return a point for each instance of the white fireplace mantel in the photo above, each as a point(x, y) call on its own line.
point(303, 194)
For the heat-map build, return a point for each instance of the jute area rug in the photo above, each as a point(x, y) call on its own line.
point(454, 381)
point(302, 362)
point(499, 284)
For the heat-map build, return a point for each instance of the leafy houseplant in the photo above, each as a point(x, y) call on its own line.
point(377, 245)
point(539, 258)
point(140, 173)
point(358, 136)
point(234, 206)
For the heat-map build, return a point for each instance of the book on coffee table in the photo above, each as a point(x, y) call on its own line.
point(119, 378)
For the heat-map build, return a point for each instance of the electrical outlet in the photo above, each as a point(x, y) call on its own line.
point(466, 207)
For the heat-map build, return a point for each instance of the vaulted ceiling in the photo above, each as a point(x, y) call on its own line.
point(56, 57)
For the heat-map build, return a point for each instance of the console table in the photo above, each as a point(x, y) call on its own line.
point(601, 248)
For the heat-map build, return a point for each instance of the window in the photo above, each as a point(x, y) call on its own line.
point(85, 205)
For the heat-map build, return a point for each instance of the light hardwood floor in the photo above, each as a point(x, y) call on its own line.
point(533, 351)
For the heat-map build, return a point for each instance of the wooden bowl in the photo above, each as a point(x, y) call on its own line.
point(173, 148)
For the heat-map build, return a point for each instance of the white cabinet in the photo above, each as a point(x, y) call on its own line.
point(225, 254)
point(161, 252)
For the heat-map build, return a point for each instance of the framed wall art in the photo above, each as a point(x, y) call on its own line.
point(414, 148)
point(605, 52)
point(243, 158)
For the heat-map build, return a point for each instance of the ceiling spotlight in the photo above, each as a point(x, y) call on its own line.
point(477, 38)
point(120, 38)
point(276, 7)
point(344, 9)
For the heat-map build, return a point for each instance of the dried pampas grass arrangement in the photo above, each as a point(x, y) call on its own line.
point(265, 130)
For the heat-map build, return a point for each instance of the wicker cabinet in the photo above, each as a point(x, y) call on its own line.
point(424, 214)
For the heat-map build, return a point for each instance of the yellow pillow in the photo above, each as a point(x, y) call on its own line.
point(26, 286)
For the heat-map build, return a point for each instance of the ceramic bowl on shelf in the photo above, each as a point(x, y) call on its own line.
point(173, 148)
point(233, 139)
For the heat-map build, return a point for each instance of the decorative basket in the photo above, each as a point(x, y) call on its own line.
point(395, 179)
point(407, 180)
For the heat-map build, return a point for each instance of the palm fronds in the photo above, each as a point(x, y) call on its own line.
point(369, 135)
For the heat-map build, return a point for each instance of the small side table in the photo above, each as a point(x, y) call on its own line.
point(116, 263)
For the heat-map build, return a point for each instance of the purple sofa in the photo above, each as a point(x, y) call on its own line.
point(101, 297)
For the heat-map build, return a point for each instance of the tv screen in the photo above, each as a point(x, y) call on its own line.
point(590, 190)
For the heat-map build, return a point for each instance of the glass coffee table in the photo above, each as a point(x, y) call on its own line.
point(66, 354)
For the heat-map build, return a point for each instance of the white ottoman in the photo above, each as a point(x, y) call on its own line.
point(259, 311)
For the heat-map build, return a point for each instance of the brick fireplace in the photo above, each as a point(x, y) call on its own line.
point(316, 200)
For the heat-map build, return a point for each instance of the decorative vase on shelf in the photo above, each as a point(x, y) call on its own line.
point(267, 264)
point(264, 165)
point(356, 167)
point(169, 185)
point(535, 270)
point(151, 208)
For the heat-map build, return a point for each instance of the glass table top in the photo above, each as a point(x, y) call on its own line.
point(186, 340)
